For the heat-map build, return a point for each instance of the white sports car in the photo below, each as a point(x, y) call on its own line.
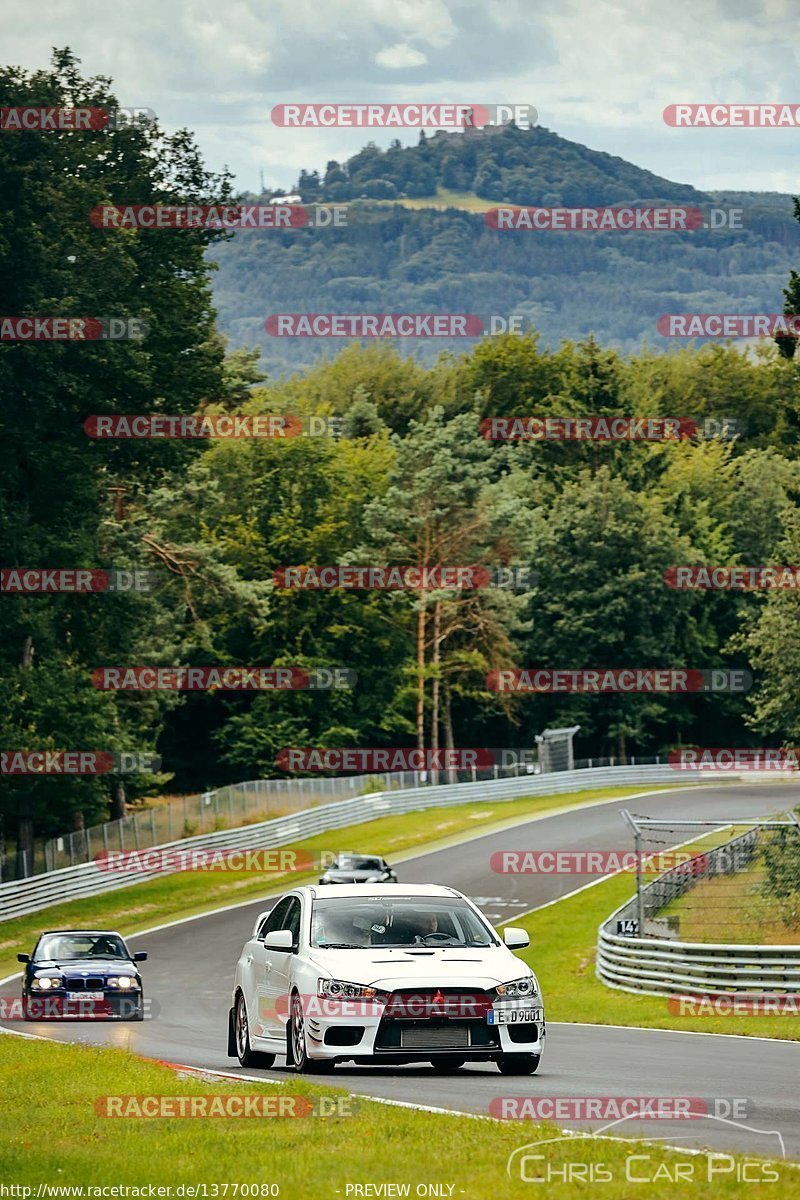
point(414, 973)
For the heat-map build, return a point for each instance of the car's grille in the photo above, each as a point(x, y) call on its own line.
point(452, 1003)
point(85, 983)
point(435, 1037)
point(445, 1018)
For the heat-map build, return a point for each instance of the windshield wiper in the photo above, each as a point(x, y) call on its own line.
point(342, 946)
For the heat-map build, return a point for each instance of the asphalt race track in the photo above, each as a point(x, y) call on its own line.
point(190, 971)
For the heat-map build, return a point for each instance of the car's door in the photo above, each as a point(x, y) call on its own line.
point(256, 972)
point(280, 962)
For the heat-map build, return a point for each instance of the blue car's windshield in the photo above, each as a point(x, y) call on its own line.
point(55, 946)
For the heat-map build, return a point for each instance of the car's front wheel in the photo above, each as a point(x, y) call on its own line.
point(518, 1064)
point(241, 1035)
point(297, 1044)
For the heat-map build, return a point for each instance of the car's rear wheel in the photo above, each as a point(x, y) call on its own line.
point(241, 1031)
point(447, 1064)
point(519, 1064)
point(296, 1048)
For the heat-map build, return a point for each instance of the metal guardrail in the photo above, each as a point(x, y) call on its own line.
point(667, 967)
point(235, 804)
point(87, 879)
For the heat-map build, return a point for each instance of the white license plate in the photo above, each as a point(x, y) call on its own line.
point(77, 996)
point(512, 1016)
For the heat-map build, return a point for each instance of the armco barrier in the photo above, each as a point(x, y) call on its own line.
point(86, 879)
point(666, 967)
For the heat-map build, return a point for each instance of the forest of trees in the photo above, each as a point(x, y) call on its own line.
point(409, 479)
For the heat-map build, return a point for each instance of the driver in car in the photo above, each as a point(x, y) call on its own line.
point(428, 923)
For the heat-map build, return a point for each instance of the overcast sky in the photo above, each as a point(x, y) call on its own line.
point(599, 72)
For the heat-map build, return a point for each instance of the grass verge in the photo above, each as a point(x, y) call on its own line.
point(735, 908)
point(190, 892)
point(54, 1135)
point(445, 198)
point(563, 953)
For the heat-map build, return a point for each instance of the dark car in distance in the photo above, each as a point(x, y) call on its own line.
point(87, 974)
point(358, 868)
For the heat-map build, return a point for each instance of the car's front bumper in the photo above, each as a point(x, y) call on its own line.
point(364, 1030)
point(55, 1006)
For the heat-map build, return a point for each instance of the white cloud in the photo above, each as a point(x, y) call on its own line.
point(394, 58)
point(598, 71)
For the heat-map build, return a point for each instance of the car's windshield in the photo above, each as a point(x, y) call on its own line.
point(55, 946)
point(356, 862)
point(397, 921)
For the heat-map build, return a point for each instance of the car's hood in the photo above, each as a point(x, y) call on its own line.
point(390, 969)
point(79, 966)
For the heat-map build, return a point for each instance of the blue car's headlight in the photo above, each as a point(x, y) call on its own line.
point(518, 989)
point(124, 982)
point(45, 983)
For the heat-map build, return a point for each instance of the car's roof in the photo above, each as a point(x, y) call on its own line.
point(430, 890)
point(81, 933)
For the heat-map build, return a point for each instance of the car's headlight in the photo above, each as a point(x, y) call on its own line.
point(517, 988)
point(122, 981)
point(339, 989)
point(43, 983)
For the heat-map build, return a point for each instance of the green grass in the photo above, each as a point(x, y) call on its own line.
point(563, 951)
point(735, 908)
point(446, 198)
point(193, 892)
point(54, 1135)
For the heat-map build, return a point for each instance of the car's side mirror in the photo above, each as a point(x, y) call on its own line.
point(515, 938)
point(23, 958)
point(140, 956)
point(279, 939)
